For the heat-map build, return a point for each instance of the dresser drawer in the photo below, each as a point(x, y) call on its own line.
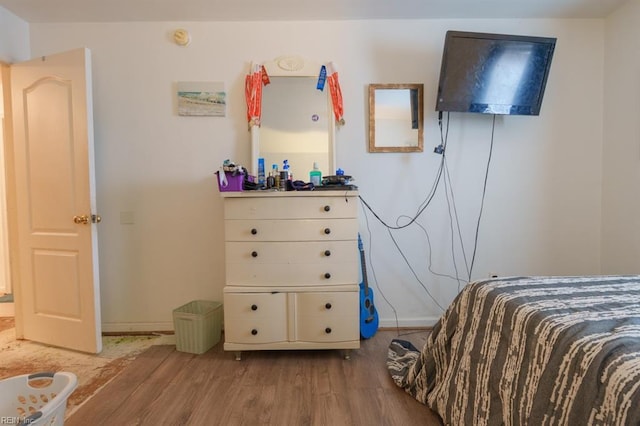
point(260, 264)
point(327, 316)
point(291, 274)
point(325, 252)
point(291, 230)
point(255, 317)
point(290, 208)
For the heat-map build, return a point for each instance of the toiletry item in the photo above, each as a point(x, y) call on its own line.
point(276, 176)
point(315, 175)
point(284, 176)
point(261, 175)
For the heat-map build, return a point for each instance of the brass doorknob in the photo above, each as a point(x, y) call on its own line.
point(85, 219)
point(81, 220)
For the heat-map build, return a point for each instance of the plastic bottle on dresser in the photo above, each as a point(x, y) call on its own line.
point(284, 175)
point(315, 175)
point(287, 168)
point(276, 176)
point(261, 171)
point(288, 175)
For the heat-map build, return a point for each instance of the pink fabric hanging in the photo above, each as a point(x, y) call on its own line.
point(336, 93)
point(253, 93)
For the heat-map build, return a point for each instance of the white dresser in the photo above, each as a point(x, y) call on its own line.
point(292, 269)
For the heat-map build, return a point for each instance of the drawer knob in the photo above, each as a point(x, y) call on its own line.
point(254, 231)
point(327, 330)
point(327, 252)
point(327, 208)
point(254, 332)
point(254, 254)
point(254, 307)
point(327, 275)
point(327, 231)
point(328, 305)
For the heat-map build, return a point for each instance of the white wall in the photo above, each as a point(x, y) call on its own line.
point(621, 155)
point(542, 208)
point(14, 46)
point(14, 37)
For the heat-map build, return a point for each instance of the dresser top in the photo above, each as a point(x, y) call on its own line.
point(269, 193)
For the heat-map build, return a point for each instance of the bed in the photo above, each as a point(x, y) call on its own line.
point(531, 351)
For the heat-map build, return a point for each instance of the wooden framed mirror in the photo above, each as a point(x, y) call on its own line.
point(396, 117)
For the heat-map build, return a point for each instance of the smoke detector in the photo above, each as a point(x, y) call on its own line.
point(181, 37)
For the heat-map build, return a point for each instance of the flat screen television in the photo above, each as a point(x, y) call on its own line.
point(494, 73)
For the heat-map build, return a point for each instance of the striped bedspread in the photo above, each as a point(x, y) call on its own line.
point(531, 351)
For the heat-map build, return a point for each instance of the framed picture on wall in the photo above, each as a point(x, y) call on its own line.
point(201, 98)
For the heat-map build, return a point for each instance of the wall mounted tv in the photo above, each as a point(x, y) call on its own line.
point(494, 73)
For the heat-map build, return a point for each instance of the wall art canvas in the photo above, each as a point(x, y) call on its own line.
point(201, 98)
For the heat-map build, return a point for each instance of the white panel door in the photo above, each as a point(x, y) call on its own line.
point(57, 296)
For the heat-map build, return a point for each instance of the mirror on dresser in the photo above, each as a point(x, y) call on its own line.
point(297, 120)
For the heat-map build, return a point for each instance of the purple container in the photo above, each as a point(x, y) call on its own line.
point(233, 184)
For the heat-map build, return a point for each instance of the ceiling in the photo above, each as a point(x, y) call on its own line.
point(42, 11)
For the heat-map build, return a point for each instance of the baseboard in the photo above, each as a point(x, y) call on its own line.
point(425, 322)
point(135, 327)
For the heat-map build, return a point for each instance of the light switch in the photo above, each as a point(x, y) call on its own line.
point(127, 218)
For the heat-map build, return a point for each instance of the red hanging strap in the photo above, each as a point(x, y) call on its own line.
point(336, 93)
point(253, 93)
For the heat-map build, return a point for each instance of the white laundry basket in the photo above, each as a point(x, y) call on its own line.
point(36, 399)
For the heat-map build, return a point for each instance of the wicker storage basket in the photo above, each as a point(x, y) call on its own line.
point(198, 326)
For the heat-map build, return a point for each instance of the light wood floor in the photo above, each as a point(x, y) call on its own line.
point(280, 388)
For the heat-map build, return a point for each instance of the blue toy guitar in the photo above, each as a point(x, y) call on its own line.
point(368, 314)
